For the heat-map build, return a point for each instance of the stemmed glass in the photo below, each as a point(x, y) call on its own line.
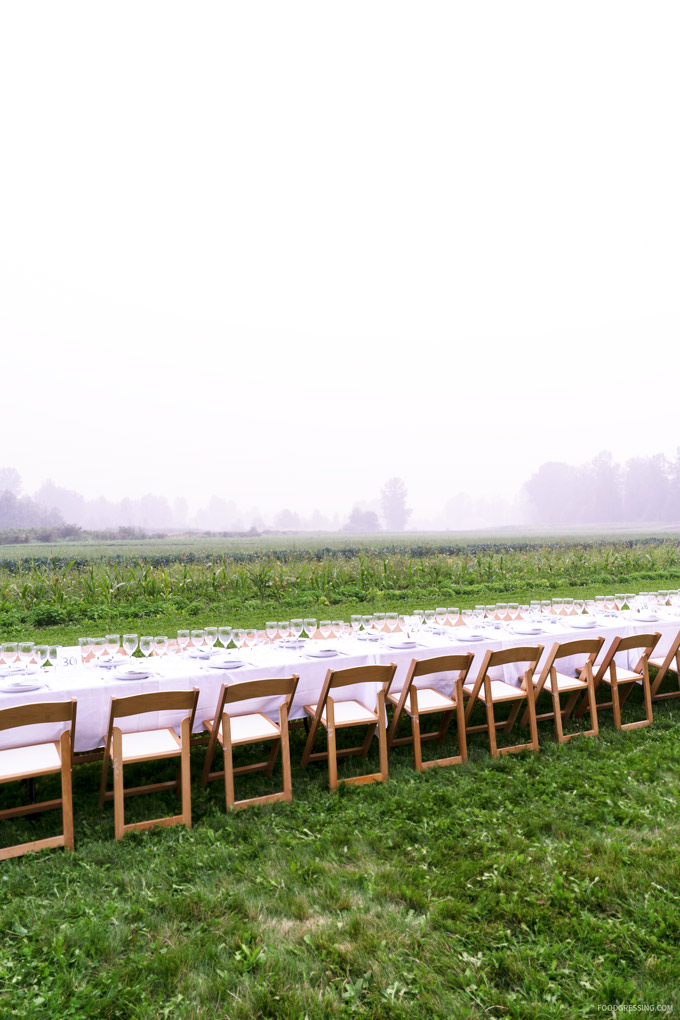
point(270, 630)
point(429, 618)
point(210, 637)
point(10, 650)
point(296, 628)
point(197, 639)
point(98, 647)
point(325, 628)
point(391, 619)
point(367, 623)
point(513, 610)
point(224, 634)
point(130, 643)
point(183, 639)
point(146, 644)
point(40, 654)
point(239, 637)
point(160, 644)
point(25, 651)
point(284, 629)
point(440, 616)
point(355, 623)
point(112, 644)
point(379, 621)
point(310, 627)
point(338, 629)
point(85, 646)
point(453, 613)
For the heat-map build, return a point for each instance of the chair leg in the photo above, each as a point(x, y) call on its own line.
point(616, 706)
point(417, 748)
point(382, 736)
point(273, 755)
point(647, 694)
point(557, 715)
point(533, 728)
point(118, 789)
point(228, 762)
point(186, 772)
point(66, 791)
point(285, 760)
point(460, 722)
point(330, 734)
point(491, 724)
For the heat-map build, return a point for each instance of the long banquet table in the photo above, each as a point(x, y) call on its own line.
point(94, 686)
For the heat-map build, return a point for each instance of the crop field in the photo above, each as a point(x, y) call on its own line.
point(530, 886)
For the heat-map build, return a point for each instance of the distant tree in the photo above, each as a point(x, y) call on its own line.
point(24, 512)
point(602, 492)
point(286, 520)
point(362, 522)
point(646, 488)
point(393, 503)
point(554, 493)
point(10, 480)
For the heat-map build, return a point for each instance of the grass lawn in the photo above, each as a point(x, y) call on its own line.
point(530, 886)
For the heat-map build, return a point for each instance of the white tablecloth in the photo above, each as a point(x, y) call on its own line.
point(94, 687)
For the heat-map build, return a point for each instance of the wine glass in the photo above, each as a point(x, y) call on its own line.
point(310, 627)
point(197, 639)
point(391, 619)
point(112, 644)
point(40, 654)
point(251, 637)
point(502, 612)
point(379, 621)
point(130, 643)
point(98, 647)
point(270, 630)
point(238, 636)
point(183, 639)
point(146, 644)
point(25, 650)
point(296, 628)
point(429, 618)
point(440, 616)
point(210, 637)
point(224, 634)
point(284, 629)
point(568, 607)
point(338, 629)
point(325, 628)
point(160, 644)
point(84, 647)
point(513, 610)
point(418, 618)
point(355, 623)
point(367, 623)
point(10, 651)
point(453, 615)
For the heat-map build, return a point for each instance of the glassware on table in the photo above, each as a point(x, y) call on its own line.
point(161, 644)
point(296, 627)
point(502, 612)
point(25, 649)
point(112, 642)
point(130, 643)
point(54, 655)
point(379, 621)
point(84, 649)
point(546, 607)
point(98, 647)
point(524, 612)
point(210, 637)
point(197, 638)
point(558, 607)
point(367, 623)
point(440, 616)
point(338, 628)
point(535, 610)
point(251, 637)
point(429, 617)
point(392, 621)
point(453, 615)
point(310, 627)
point(41, 654)
point(513, 610)
point(325, 628)
point(183, 639)
point(620, 600)
point(284, 629)
point(224, 634)
point(271, 630)
point(146, 644)
point(568, 604)
point(418, 618)
point(629, 600)
point(490, 616)
point(355, 623)
point(468, 618)
point(238, 636)
point(10, 651)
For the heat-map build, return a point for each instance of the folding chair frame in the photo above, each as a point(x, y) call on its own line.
point(665, 666)
point(525, 692)
point(608, 666)
point(141, 704)
point(459, 664)
point(31, 715)
point(589, 647)
point(230, 695)
point(335, 679)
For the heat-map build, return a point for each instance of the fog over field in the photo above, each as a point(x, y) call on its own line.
point(259, 260)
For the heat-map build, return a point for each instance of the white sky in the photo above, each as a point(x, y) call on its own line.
point(283, 251)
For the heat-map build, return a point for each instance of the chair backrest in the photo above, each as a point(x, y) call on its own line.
point(504, 657)
point(369, 674)
point(283, 687)
point(588, 647)
point(647, 642)
point(39, 712)
point(156, 701)
point(442, 664)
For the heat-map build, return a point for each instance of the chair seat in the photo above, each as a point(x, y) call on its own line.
point(251, 727)
point(347, 713)
point(565, 683)
point(659, 663)
point(33, 760)
point(500, 691)
point(623, 676)
point(148, 744)
point(429, 700)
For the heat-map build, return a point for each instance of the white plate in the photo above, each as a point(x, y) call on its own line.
point(20, 686)
point(227, 664)
point(645, 617)
point(527, 628)
point(132, 674)
point(406, 643)
point(321, 653)
point(111, 663)
point(471, 635)
point(582, 622)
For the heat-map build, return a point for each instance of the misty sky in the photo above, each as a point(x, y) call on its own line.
point(280, 252)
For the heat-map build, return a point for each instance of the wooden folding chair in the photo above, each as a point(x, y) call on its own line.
point(616, 677)
point(235, 729)
point(148, 745)
point(333, 715)
point(44, 759)
point(493, 692)
point(575, 684)
point(669, 664)
point(417, 701)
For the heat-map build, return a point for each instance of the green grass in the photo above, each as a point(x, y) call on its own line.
point(530, 886)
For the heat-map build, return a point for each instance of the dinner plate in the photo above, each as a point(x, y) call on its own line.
point(645, 617)
point(111, 663)
point(20, 686)
point(132, 674)
point(227, 663)
point(406, 643)
point(471, 635)
point(321, 653)
point(527, 628)
point(582, 622)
